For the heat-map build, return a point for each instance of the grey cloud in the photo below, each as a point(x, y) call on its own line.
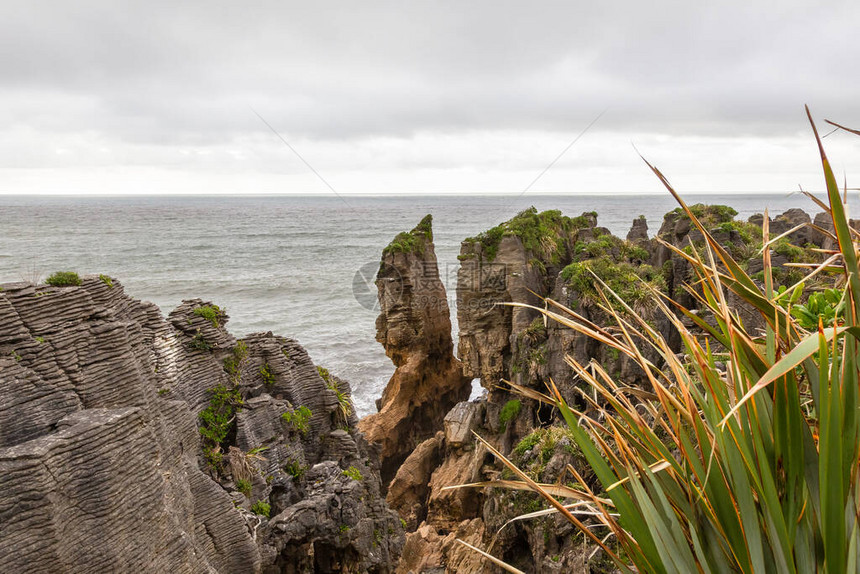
point(174, 74)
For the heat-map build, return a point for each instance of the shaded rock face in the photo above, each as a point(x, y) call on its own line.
point(414, 326)
point(498, 341)
point(101, 461)
point(478, 515)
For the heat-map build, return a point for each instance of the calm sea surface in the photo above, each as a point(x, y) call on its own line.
point(284, 264)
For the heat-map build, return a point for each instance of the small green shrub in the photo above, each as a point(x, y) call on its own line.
point(233, 363)
point(213, 457)
point(217, 420)
point(64, 279)
point(294, 469)
point(268, 376)
point(353, 473)
point(244, 486)
point(211, 313)
point(299, 419)
point(40, 339)
point(199, 343)
point(826, 306)
point(344, 528)
point(106, 280)
point(509, 412)
point(262, 508)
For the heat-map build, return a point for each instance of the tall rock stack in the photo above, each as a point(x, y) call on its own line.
point(414, 326)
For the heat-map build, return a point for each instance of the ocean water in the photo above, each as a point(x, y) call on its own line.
point(284, 264)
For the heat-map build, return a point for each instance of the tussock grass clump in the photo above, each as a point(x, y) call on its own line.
point(64, 279)
point(742, 454)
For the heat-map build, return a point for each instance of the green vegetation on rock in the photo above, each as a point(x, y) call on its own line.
point(268, 376)
point(509, 412)
point(199, 343)
point(211, 313)
point(352, 473)
point(217, 420)
point(106, 280)
point(299, 419)
point(409, 241)
point(544, 234)
point(295, 469)
point(262, 508)
point(244, 486)
point(233, 363)
point(709, 215)
point(627, 280)
point(64, 279)
point(342, 398)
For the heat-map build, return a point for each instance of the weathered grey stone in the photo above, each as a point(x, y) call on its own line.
point(461, 421)
point(101, 466)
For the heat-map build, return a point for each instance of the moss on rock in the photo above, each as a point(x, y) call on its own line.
point(543, 234)
point(412, 241)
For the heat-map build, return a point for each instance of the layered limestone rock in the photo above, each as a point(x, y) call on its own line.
point(414, 326)
point(103, 404)
point(537, 255)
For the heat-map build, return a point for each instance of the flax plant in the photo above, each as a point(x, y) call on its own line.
point(741, 453)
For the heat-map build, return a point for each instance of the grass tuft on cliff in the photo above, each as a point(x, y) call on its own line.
point(741, 455)
point(64, 279)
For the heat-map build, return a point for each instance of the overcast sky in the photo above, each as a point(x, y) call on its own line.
point(436, 97)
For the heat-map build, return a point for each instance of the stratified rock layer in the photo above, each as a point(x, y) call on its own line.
point(528, 258)
point(414, 326)
point(101, 463)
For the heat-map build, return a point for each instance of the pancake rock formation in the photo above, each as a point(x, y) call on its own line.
point(414, 326)
point(134, 443)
